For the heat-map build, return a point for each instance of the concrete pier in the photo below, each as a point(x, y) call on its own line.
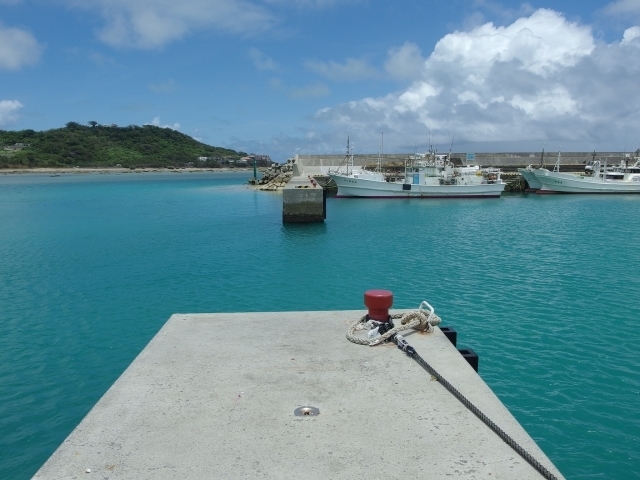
point(303, 201)
point(213, 396)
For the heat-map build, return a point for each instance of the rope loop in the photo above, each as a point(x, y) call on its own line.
point(417, 319)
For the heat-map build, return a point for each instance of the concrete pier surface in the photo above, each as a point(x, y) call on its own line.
point(213, 396)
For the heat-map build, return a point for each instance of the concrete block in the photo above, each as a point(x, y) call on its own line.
point(303, 201)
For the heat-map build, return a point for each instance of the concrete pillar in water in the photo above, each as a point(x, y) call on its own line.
point(303, 201)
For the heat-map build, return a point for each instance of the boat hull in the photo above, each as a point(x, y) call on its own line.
point(558, 182)
point(355, 187)
point(531, 178)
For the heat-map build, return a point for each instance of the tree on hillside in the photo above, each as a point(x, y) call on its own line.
point(92, 123)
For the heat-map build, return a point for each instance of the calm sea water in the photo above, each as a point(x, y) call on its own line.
point(543, 288)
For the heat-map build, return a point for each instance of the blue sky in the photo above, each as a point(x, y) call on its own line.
point(281, 77)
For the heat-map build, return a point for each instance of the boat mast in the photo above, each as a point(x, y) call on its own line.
point(556, 168)
point(451, 147)
point(381, 152)
point(349, 156)
point(542, 157)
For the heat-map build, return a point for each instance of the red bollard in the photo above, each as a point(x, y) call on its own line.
point(378, 302)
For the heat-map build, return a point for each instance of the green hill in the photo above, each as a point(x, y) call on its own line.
point(107, 146)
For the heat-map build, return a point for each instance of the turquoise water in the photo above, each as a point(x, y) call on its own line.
point(543, 288)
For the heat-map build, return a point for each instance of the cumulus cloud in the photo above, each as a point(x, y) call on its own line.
point(8, 111)
point(540, 78)
point(541, 44)
point(147, 24)
point(18, 48)
point(631, 35)
point(623, 7)
point(156, 123)
point(405, 62)
point(261, 61)
point(350, 71)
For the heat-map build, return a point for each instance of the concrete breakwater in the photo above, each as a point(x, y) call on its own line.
point(504, 160)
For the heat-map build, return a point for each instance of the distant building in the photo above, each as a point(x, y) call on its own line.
point(16, 147)
point(261, 160)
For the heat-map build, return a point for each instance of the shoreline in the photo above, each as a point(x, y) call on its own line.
point(118, 170)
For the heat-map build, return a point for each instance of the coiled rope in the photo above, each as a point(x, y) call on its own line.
point(419, 320)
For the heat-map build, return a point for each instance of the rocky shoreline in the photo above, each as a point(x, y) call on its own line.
point(274, 178)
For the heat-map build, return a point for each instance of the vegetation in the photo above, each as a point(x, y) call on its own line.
point(97, 145)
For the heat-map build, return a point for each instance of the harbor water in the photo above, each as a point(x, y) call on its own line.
point(543, 288)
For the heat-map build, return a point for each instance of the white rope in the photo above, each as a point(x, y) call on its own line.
point(417, 319)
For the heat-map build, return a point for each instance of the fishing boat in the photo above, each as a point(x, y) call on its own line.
point(529, 175)
point(428, 176)
point(599, 178)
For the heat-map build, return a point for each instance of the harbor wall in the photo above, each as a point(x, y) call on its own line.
point(307, 163)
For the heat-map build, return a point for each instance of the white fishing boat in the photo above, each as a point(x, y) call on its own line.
point(432, 176)
point(529, 174)
point(599, 178)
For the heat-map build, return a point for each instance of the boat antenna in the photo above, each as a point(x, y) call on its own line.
point(451, 146)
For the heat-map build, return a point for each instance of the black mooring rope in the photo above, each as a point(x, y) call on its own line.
point(410, 351)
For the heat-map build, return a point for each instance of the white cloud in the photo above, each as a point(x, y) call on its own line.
point(541, 44)
point(405, 62)
point(623, 7)
point(546, 104)
point(262, 61)
point(351, 70)
point(630, 35)
point(18, 48)
point(416, 97)
point(147, 24)
point(156, 122)
point(539, 78)
point(8, 111)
